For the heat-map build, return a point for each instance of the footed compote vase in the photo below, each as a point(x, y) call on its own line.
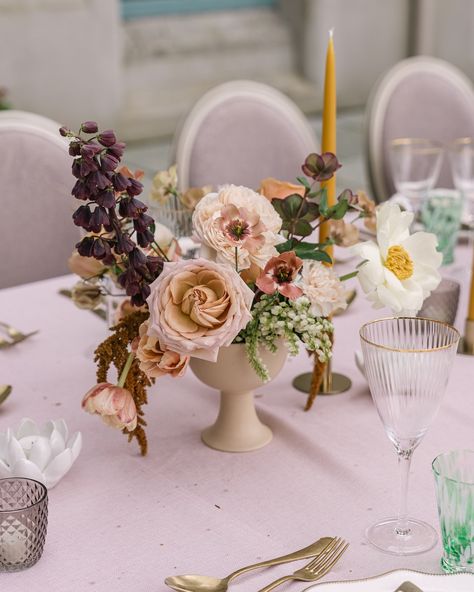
point(237, 427)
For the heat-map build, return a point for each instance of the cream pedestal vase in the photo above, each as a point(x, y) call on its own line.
point(237, 427)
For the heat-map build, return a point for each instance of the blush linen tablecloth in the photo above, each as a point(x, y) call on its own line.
point(120, 522)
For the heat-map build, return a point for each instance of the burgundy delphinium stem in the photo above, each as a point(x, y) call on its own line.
point(112, 213)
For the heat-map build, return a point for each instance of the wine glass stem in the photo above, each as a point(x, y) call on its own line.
point(404, 462)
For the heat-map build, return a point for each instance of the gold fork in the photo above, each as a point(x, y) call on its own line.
point(15, 335)
point(317, 568)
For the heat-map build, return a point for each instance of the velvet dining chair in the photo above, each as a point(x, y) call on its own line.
point(37, 234)
point(420, 97)
point(241, 132)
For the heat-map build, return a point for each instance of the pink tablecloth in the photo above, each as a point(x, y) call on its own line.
point(121, 523)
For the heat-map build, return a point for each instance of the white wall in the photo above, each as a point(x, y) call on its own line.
point(62, 58)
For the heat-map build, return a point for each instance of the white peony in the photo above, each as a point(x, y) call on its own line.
point(208, 228)
point(402, 269)
point(323, 288)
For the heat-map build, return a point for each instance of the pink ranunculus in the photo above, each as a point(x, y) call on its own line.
point(114, 404)
point(197, 306)
point(279, 275)
point(155, 362)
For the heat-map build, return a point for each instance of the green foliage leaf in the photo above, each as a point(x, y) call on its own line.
point(286, 246)
point(323, 204)
point(348, 276)
point(317, 256)
point(303, 228)
point(304, 182)
point(312, 213)
point(338, 211)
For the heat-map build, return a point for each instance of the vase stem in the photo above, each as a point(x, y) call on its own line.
point(237, 427)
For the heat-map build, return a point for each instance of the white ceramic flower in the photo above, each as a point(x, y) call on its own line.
point(402, 269)
point(207, 223)
point(44, 453)
point(323, 288)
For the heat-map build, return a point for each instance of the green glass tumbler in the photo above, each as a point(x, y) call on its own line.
point(454, 477)
point(441, 215)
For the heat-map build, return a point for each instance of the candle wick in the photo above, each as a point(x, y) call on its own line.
point(331, 33)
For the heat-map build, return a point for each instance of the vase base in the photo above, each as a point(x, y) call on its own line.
point(340, 383)
point(244, 442)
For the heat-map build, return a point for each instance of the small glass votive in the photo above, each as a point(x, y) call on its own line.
point(23, 522)
point(442, 303)
point(441, 215)
point(454, 477)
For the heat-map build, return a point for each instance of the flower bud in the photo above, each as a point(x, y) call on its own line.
point(85, 246)
point(117, 149)
point(120, 182)
point(108, 162)
point(114, 404)
point(79, 191)
point(135, 187)
point(64, 131)
point(107, 138)
point(105, 198)
point(82, 217)
point(144, 237)
point(90, 149)
point(89, 127)
point(98, 219)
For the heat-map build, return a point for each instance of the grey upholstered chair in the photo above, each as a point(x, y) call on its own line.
point(420, 97)
point(37, 234)
point(241, 132)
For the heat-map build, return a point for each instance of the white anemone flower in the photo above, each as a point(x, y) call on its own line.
point(401, 270)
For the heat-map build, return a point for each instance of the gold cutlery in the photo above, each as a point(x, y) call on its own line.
point(14, 334)
point(5, 390)
point(195, 583)
point(317, 568)
point(408, 587)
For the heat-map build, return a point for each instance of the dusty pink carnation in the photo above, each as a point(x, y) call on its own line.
point(323, 288)
point(197, 306)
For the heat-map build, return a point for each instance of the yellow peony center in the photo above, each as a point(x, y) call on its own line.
point(399, 262)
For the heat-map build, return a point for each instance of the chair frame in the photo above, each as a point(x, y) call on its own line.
point(378, 103)
point(187, 132)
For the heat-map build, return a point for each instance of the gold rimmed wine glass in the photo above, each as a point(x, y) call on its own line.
point(407, 362)
point(415, 165)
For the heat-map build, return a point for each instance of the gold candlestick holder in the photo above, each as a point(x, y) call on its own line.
point(332, 383)
point(466, 345)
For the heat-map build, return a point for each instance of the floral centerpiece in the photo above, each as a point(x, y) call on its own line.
point(260, 278)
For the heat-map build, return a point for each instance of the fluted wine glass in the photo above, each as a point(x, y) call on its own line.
point(407, 362)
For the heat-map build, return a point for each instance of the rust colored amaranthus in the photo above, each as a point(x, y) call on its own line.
point(114, 350)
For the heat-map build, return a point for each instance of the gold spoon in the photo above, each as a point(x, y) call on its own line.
point(5, 390)
point(193, 583)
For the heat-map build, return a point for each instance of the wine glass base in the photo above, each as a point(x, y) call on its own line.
point(421, 537)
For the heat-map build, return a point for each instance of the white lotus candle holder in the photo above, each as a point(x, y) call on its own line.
point(44, 453)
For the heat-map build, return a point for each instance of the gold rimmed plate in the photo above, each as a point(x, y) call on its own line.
point(388, 582)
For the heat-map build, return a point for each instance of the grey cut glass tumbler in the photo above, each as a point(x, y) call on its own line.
point(23, 523)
